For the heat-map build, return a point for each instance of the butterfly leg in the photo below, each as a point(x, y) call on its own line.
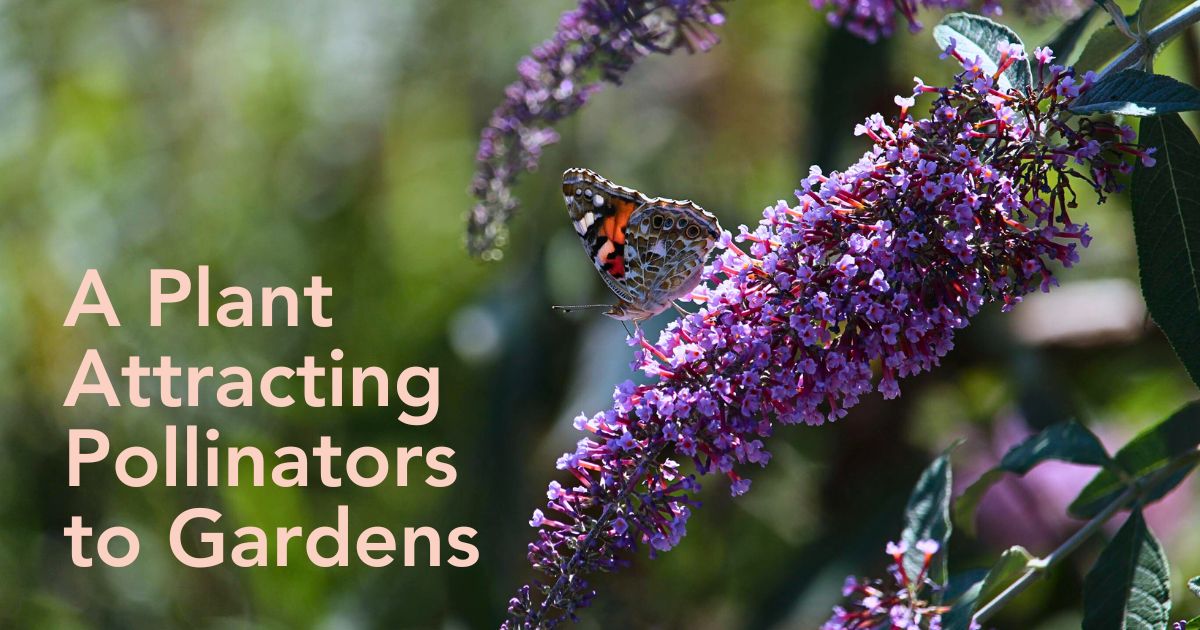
point(626, 327)
point(680, 309)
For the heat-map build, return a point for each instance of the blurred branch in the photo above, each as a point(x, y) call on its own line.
point(1149, 42)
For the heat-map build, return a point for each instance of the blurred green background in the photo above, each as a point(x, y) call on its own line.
point(275, 140)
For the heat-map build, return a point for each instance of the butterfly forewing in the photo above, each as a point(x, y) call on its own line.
point(648, 251)
point(600, 211)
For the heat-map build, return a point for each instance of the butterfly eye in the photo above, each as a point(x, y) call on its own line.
point(656, 222)
point(692, 231)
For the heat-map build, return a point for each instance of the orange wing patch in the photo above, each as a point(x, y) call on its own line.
point(612, 228)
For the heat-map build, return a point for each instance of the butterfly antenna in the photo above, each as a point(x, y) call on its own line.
point(579, 307)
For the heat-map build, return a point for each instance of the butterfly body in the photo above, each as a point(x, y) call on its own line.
point(649, 251)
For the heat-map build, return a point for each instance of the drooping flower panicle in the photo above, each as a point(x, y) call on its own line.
point(864, 280)
point(876, 19)
point(598, 41)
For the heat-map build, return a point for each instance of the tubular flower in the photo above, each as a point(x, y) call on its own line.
point(862, 281)
point(899, 604)
point(598, 41)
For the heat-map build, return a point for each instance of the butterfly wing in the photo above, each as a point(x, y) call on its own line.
point(600, 212)
point(667, 244)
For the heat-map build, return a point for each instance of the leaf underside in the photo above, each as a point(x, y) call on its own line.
point(977, 36)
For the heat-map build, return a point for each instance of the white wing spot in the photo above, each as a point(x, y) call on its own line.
point(587, 220)
point(598, 200)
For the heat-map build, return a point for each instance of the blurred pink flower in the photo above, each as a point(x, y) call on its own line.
point(1031, 511)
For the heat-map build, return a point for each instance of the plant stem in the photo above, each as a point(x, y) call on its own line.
point(1037, 566)
point(1157, 36)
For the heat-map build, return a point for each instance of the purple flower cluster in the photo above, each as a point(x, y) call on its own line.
point(598, 41)
point(873, 19)
point(901, 604)
point(861, 282)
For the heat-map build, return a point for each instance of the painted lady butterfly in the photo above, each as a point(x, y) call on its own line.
point(650, 252)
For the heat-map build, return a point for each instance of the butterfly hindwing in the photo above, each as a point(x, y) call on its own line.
point(668, 242)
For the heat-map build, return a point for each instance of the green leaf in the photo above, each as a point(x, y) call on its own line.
point(1194, 585)
point(1154, 12)
point(960, 614)
point(1101, 47)
point(974, 35)
point(1142, 457)
point(1129, 586)
point(960, 585)
point(1106, 42)
point(1193, 624)
point(1066, 441)
point(1136, 93)
point(1008, 568)
point(1067, 38)
point(927, 517)
point(1166, 226)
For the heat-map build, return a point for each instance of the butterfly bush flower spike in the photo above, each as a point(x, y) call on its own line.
point(875, 19)
point(861, 281)
point(902, 601)
point(598, 41)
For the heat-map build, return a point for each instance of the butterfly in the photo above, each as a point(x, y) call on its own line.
point(649, 251)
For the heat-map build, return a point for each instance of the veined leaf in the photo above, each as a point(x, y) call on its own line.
point(1166, 226)
point(1136, 93)
point(927, 517)
point(1142, 457)
point(1067, 441)
point(1129, 586)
